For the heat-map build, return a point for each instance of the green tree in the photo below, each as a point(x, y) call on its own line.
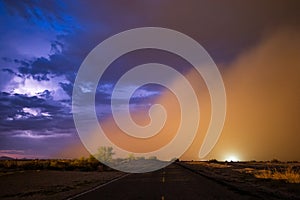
point(104, 154)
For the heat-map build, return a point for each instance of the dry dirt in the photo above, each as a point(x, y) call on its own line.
point(240, 176)
point(47, 184)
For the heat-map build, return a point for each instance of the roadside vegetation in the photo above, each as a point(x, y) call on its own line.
point(82, 164)
point(288, 174)
point(104, 154)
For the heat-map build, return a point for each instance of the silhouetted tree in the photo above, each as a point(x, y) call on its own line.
point(104, 154)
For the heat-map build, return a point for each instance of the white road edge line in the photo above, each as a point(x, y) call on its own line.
point(97, 187)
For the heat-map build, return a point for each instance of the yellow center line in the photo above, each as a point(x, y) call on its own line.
point(163, 180)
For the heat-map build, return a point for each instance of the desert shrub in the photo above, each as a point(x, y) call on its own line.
point(152, 158)
point(213, 161)
point(58, 164)
point(292, 161)
point(33, 164)
point(93, 163)
point(9, 164)
point(289, 175)
point(82, 164)
point(275, 160)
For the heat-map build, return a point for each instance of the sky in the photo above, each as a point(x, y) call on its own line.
point(255, 45)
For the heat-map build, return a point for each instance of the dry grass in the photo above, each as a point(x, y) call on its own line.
point(209, 164)
point(289, 175)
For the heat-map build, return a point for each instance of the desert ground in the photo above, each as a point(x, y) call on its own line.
point(272, 179)
point(269, 180)
point(50, 184)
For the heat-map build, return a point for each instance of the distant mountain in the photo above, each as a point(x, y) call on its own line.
point(6, 158)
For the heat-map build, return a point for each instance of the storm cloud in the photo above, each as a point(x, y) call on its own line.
point(43, 44)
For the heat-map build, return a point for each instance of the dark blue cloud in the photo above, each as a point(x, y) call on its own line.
point(48, 15)
point(52, 114)
point(47, 40)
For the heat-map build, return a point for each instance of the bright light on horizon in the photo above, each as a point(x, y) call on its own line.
point(232, 158)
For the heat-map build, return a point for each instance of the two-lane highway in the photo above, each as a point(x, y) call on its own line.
point(172, 182)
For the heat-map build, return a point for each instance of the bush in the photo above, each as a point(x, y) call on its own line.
point(275, 161)
point(82, 164)
point(213, 161)
point(152, 158)
point(289, 175)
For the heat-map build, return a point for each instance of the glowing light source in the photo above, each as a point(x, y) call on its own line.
point(232, 158)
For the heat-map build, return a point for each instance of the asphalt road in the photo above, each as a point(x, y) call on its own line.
point(172, 182)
